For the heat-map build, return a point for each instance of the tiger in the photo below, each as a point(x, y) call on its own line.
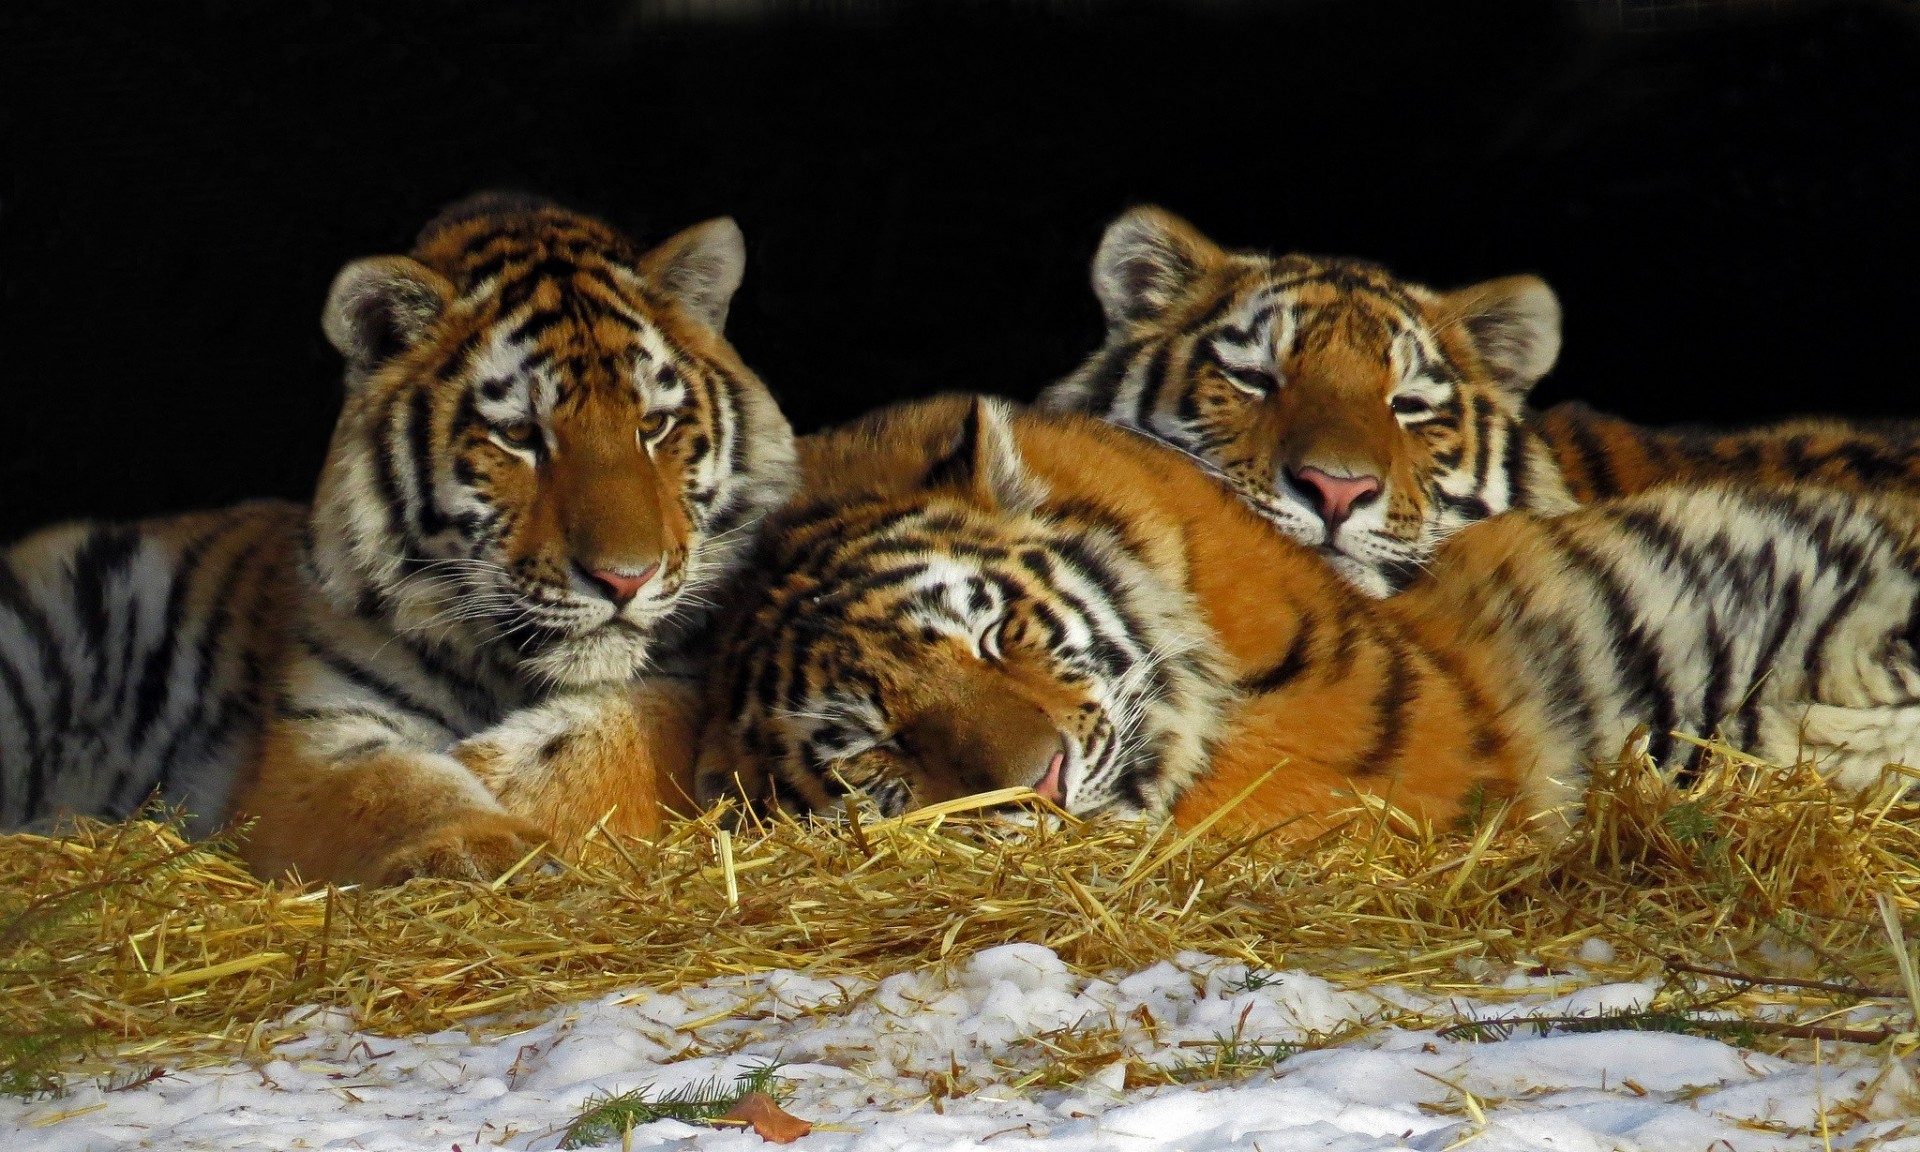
point(479, 637)
point(966, 597)
point(1372, 417)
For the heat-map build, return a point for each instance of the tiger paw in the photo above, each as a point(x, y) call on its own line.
point(473, 846)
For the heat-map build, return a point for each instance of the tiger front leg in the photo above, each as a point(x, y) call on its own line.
point(377, 812)
point(623, 753)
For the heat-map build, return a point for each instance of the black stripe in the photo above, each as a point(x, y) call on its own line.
point(420, 439)
point(1816, 654)
point(1397, 691)
point(386, 475)
point(213, 644)
point(1290, 665)
point(1514, 460)
point(1480, 416)
point(477, 698)
point(1665, 541)
point(14, 597)
point(16, 691)
point(1074, 551)
point(156, 676)
point(1641, 671)
point(1151, 382)
point(535, 323)
point(1213, 311)
point(959, 466)
point(1108, 370)
point(1593, 460)
point(1788, 614)
point(106, 553)
point(370, 682)
point(1712, 701)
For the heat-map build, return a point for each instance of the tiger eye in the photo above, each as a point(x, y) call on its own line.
point(654, 424)
point(520, 433)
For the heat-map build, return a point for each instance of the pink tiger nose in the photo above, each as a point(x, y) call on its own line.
point(622, 585)
point(1052, 785)
point(1335, 496)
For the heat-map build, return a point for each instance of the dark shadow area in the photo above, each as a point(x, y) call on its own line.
point(1725, 204)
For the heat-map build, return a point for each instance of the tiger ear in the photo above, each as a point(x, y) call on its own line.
point(700, 268)
point(379, 308)
point(984, 461)
point(1514, 323)
point(1147, 260)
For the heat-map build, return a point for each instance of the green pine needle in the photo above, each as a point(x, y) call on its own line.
point(606, 1119)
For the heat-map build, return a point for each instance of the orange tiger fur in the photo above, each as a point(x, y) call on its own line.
point(1602, 456)
point(967, 598)
point(1372, 417)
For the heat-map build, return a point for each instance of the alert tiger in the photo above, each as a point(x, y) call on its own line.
point(548, 458)
point(965, 597)
point(1371, 417)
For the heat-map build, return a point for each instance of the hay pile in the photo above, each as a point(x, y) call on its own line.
point(172, 954)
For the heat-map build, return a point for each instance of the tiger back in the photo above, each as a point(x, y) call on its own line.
point(966, 598)
point(1603, 456)
point(1372, 417)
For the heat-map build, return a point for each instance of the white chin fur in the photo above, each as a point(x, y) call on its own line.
point(603, 656)
point(1360, 575)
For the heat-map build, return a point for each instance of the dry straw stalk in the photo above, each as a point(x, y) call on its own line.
point(176, 954)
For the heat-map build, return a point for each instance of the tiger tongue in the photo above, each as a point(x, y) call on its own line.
point(1051, 786)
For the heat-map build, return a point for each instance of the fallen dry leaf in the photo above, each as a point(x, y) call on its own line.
point(757, 1110)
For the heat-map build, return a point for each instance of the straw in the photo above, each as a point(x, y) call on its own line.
point(172, 954)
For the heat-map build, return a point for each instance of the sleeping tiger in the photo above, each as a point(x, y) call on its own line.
point(966, 598)
point(548, 457)
point(1371, 417)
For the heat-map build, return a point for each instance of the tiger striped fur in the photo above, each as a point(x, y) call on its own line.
point(968, 598)
point(1371, 417)
point(137, 657)
point(1601, 456)
point(547, 458)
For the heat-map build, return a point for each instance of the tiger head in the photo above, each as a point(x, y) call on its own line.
point(548, 451)
point(1363, 415)
point(923, 624)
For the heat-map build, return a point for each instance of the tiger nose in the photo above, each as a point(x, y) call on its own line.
point(1335, 496)
point(620, 584)
point(1052, 784)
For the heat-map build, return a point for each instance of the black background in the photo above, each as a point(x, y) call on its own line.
point(1722, 193)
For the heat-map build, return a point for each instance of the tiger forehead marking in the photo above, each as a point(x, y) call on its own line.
point(1359, 413)
point(549, 448)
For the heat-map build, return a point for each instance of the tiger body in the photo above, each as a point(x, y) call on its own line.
point(136, 657)
point(1371, 417)
point(547, 457)
point(966, 598)
point(1600, 456)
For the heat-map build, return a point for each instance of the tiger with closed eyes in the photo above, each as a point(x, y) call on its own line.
point(965, 597)
point(547, 459)
point(1372, 417)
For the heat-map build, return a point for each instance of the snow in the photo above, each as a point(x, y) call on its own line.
point(864, 1061)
